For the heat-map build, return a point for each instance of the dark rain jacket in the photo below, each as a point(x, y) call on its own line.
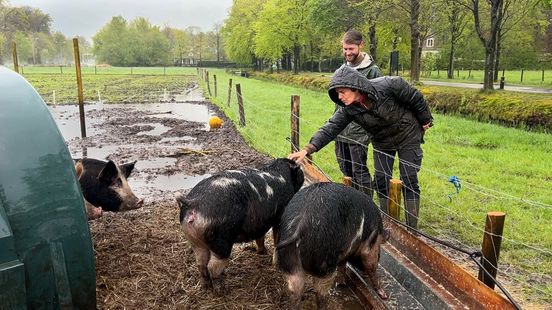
point(394, 119)
point(355, 132)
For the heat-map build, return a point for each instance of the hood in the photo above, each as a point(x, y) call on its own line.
point(347, 77)
point(366, 62)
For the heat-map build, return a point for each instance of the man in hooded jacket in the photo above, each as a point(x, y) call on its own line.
point(351, 145)
point(395, 114)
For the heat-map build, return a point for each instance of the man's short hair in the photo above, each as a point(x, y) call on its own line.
point(353, 37)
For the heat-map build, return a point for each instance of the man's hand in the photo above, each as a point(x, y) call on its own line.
point(298, 156)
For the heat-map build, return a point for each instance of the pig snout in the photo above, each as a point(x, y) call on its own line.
point(131, 203)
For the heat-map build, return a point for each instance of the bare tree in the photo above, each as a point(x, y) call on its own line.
point(412, 7)
point(457, 23)
point(488, 36)
point(514, 12)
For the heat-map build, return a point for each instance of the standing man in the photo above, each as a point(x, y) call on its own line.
point(351, 146)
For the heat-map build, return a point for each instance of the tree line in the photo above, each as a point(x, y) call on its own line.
point(472, 34)
point(30, 29)
point(118, 43)
point(305, 35)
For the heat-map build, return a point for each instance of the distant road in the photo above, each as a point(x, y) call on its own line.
point(522, 89)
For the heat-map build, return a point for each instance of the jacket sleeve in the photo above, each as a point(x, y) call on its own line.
point(412, 99)
point(329, 131)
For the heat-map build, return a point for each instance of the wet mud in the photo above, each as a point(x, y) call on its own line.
point(142, 259)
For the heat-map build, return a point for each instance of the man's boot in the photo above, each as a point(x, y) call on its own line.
point(411, 210)
point(384, 204)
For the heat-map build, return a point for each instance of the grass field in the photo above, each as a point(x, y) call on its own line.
point(534, 78)
point(99, 70)
point(500, 168)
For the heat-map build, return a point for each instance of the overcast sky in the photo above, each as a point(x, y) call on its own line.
point(86, 17)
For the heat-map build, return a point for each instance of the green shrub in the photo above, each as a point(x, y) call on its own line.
point(522, 110)
point(511, 109)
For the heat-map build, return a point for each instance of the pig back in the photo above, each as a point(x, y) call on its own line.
point(246, 202)
point(322, 226)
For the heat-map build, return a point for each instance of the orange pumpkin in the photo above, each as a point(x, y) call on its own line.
point(215, 122)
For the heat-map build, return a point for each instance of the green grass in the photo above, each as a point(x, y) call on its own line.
point(511, 77)
point(501, 169)
point(531, 78)
point(112, 87)
point(98, 70)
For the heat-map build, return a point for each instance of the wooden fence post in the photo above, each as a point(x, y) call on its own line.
point(521, 75)
point(229, 91)
point(395, 194)
point(79, 84)
point(240, 105)
point(490, 248)
point(207, 81)
point(295, 105)
point(15, 61)
point(215, 83)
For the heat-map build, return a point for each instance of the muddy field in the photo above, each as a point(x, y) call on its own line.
point(142, 259)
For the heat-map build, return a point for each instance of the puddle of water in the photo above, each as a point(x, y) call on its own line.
point(157, 130)
point(193, 94)
point(68, 122)
point(174, 182)
point(185, 111)
point(95, 152)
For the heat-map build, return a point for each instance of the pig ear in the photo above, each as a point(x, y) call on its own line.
point(178, 196)
point(79, 169)
point(109, 173)
point(126, 169)
point(293, 164)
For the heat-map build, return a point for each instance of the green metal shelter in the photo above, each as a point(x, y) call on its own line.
point(46, 255)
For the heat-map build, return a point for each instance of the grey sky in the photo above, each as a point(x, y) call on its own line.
point(86, 17)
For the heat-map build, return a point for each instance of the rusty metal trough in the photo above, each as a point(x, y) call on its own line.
point(416, 275)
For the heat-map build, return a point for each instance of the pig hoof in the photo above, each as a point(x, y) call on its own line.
point(382, 294)
point(219, 288)
point(206, 284)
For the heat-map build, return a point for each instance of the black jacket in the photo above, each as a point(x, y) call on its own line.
point(395, 119)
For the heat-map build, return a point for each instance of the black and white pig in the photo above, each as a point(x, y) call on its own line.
point(322, 228)
point(235, 206)
point(104, 186)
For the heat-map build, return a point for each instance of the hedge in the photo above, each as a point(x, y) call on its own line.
point(523, 110)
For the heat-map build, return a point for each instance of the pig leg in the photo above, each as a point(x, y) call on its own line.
point(91, 211)
point(202, 256)
point(296, 284)
point(261, 249)
point(341, 274)
point(322, 287)
point(370, 258)
point(275, 239)
point(216, 266)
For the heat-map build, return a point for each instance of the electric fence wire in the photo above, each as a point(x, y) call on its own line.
point(284, 113)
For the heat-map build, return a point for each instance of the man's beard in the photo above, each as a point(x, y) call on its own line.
point(353, 58)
